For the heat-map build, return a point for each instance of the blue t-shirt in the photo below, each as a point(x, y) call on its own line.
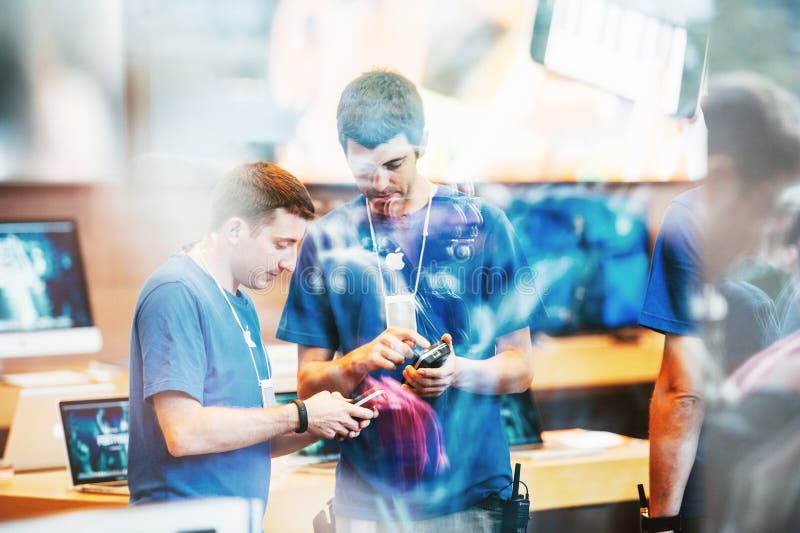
point(475, 284)
point(673, 304)
point(676, 272)
point(186, 339)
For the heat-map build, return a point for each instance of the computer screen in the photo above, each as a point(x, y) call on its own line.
point(520, 419)
point(96, 435)
point(44, 304)
point(589, 248)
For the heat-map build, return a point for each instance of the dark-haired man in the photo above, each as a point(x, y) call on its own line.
point(712, 323)
point(203, 417)
point(404, 264)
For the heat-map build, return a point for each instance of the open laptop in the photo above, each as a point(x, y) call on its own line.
point(523, 429)
point(35, 440)
point(96, 438)
point(520, 419)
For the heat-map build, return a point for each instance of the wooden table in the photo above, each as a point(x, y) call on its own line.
point(297, 494)
point(609, 476)
point(596, 360)
point(46, 492)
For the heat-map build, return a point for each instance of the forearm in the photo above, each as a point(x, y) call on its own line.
point(286, 444)
point(675, 421)
point(335, 375)
point(505, 373)
point(220, 429)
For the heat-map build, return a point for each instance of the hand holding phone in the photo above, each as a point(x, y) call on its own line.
point(433, 371)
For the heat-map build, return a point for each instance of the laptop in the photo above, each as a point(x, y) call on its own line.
point(35, 440)
point(523, 430)
point(96, 438)
point(520, 419)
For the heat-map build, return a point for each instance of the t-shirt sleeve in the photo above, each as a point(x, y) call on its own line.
point(675, 275)
point(307, 317)
point(173, 352)
point(510, 289)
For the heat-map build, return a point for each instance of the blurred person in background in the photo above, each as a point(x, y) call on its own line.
point(712, 323)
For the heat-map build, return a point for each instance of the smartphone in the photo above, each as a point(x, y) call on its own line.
point(433, 357)
point(361, 399)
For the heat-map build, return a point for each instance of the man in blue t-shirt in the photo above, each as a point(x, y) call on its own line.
point(404, 264)
point(203, 417)
point(711, 324)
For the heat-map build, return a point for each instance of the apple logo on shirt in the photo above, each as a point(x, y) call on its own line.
point(394, 260)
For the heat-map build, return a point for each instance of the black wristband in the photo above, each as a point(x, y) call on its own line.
point(301, 410)
point(662, 523)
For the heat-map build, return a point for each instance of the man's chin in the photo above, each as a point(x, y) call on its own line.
point(262, 282)
point(387, 206)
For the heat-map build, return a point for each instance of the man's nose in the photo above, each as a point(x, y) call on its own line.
point(380, 180)
point(288, 261)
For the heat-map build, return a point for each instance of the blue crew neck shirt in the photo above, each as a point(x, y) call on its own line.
point(475, 284)
point(185, 339)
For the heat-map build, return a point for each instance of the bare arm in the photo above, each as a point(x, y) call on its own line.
point(509, 371)
point(286, 444)
point(192, 429)
point(318, 370)
point(676, 415)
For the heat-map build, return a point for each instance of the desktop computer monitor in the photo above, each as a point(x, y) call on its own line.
point(44, 305)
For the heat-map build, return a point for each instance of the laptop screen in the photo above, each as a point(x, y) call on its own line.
point(520, 419)
point(96, 435)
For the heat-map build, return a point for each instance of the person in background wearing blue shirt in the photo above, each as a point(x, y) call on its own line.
point(712, 323)
point(203, 417)
point(406, 263)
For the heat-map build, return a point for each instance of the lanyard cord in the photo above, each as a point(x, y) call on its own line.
point(245, 334)
point(421, 251)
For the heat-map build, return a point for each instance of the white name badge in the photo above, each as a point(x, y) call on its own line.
point(401, 311)
point(267, 393)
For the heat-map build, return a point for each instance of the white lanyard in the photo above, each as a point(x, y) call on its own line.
point(245, 333)
point(422, 248)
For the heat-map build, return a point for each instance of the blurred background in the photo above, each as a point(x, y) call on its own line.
point(579, 118)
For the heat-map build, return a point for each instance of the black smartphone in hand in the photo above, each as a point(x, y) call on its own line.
point(433, 357)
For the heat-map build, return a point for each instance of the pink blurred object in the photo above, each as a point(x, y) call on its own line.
point(775, 366)
point(408, 433)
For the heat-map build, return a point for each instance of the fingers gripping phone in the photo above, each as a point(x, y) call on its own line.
point(433, 357)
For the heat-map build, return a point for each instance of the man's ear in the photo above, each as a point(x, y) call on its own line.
point(233, 229)
point(423, 144)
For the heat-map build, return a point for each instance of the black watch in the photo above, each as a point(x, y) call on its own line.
point(661, 523)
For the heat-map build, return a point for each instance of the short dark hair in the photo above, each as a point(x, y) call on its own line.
point(254, 191)
point(756, 124)
point(376, 107)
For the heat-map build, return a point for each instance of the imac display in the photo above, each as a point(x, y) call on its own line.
point(44, 305)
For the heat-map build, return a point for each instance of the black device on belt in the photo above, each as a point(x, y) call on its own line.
point(515, 511)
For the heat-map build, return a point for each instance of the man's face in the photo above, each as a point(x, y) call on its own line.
point(258, 259)
point(386, 173)
point(733, 220)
